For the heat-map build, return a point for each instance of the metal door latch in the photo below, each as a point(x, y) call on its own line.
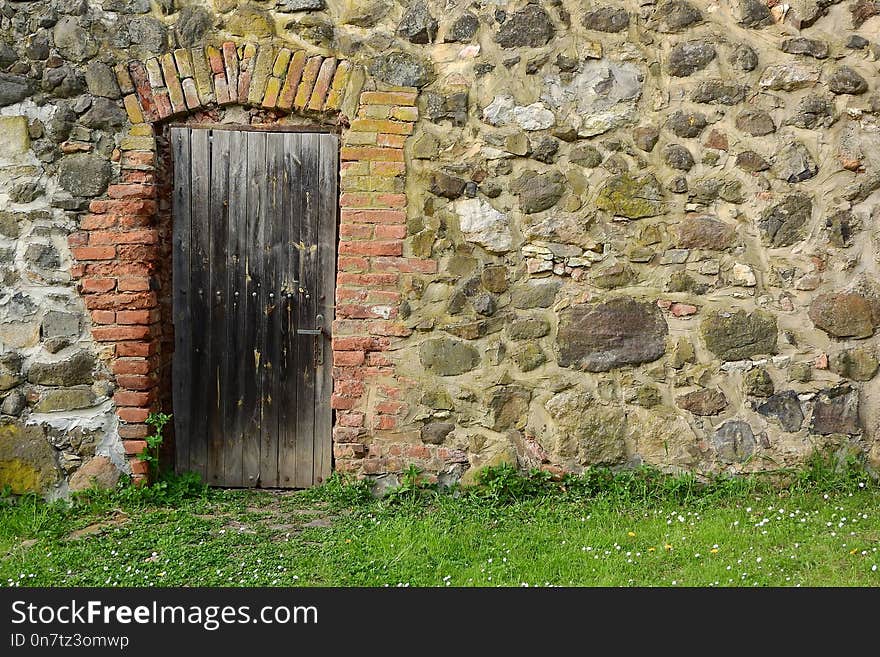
point(319, 342)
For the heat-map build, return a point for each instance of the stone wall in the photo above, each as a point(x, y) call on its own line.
point(619, 233)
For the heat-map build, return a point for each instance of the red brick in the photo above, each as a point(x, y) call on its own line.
point(361, 311)
point(390, 232)
point(135, 349)
point(388, 98)
point(348, 358)
point(138, 159)
point(134, 283)
point(350, 419)
point(79, 238)
point(123, 206)
point(355, 200)
point(129, 398)
point(130, 414)
point(373, 216)
point(354, 343)
point(358, 231)
point(134, 221)
point(139, 467)
point(350, 294)
point(114, 333)
point(93, 252)
point(390, 200)
point(372, 280)
point(348, 450)
point(118, 268)
point(135, 431)
point(136, 382)
point(383, 296)
point(136, 252)
point(348, 388)
point(351, 263)
point(341, 403)
point(377, 359)
point(372, 248)
point(97, 221)
point(98, 237)
point(133, 366)
point(97, 285)
point(384, 422)
point(128, 301)
point(103, 317)
point(394, 407)
point(131, 190)
point(134, 446)
point(391, 141)
point(134, 317)
point(138, 176)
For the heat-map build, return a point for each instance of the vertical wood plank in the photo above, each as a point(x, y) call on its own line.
point(181, 236)
point(216, 376)
point(238, 353)
point(292, 211)
point(199, 290)
point(305, 344)
point(325, 288)
point(273, 249)
point(254, 329)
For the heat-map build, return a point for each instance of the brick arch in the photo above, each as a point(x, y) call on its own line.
point(118, 251)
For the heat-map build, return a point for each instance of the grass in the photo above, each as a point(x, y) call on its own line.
point(602, 529)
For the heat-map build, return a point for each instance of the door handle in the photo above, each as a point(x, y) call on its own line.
point(318, 333)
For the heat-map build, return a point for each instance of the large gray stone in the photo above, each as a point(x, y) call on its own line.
point(755, 122)
point(434, 433)
point(13, 89)
point(10, 370)
point(538, 192)
point(782, 223)
point(793, 163)
point(529, 28)
point(534, 294)
point(739, 335)
point(836, 410)
point(719, 92)
point(689, 57)
point(733, 441)
point(448, 357)
point(754, 14)
point(805, 46)
point(845, 80)
point(788, 77)
point(194, 23)
point(602, 336)
point(482, 224)
point(855, 364)
point(607, 19)
point(101, 80)
point(401, 69)
point(527, 328)
point(65, 399)
point(417, 24)
point(675, 16)
point(686, 124)
point(73, 41)
point(72, 370)
point(786, 408)
point(84, 174)
point(585, 432)
point(60, 324)
point(464, 28)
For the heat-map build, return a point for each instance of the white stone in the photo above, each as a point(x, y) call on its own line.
point(500, 110)
point(534, 117)
point(743, 275)
point(788, 77)
point(484, 225)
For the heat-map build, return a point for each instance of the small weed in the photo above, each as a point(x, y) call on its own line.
point(150, 454)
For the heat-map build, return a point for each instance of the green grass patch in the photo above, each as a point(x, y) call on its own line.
point(816, 527)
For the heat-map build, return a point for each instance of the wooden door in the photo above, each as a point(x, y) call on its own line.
point(254, 258)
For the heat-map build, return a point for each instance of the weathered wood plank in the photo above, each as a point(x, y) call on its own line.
point(306, 344)
point(253, 337)
point(216, 377)
point(325, 286)
point(292, 210)
point(237, 300)
point(199, 289)
point(181, 372)
point(273, 249)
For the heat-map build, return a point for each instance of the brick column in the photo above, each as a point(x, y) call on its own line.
point(366, 389)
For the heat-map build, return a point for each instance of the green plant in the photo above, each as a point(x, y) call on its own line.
point(413, 484)
point(150, 453)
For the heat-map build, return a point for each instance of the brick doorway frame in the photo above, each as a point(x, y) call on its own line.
point(122, 251)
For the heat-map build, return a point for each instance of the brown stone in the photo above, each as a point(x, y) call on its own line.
point(705, 232)
point(98, 472)
point(702, 402)
point(845, 314)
